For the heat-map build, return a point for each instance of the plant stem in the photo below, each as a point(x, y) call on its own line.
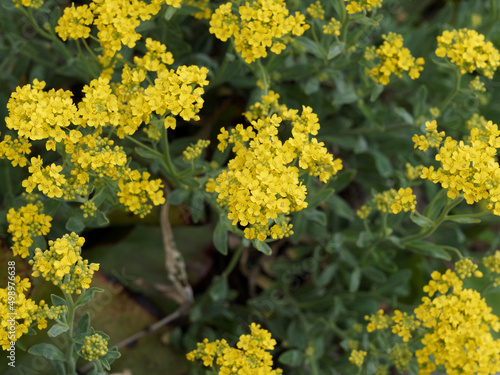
point(263, 76)
point(166, 154)
point(440, 219)
point(451, 95)
point(234, 260)
point(70, 358)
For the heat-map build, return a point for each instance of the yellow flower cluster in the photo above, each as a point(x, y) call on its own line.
point(357, 357)
point(28, 3)
point(63, 265)
point(477, 85)
point(405, 201)
point(261, 184)
point(250, 357)
point(175, 91)
point(15, 150)
point(259, 25)
point(469, 51)
point(203, 5)
point(390, 201)
point(315, 10)
point(75, 22)
point(38, 114)
point(26, 223)
point(492, 263)
point(393, 59)
point(116, 21)
point(362, 5)
point(470, 168)
point(48, 180)
point(20, 312)
point(94, 347)
point(411, 172)
point(401, 356)
point(138, 193)
point(194, 151)
point(459, 324)
point(404, 324)
point(431, 139)
point(465, 268)
point(377, 321)
point(332, 27)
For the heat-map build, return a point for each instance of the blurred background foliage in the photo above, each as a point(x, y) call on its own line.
point(323, 280)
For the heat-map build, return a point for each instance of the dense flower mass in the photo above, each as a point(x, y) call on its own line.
point(250, 357)
point(25, 224)
point(257, 27)
point(362, 5)
point(63, 265)
point(392, 201)
point(469, 51)
point(16, 307)
point(459, 327)
point(393, 59)
point(75, 22)
point(94, 347)
point(469, 168)
point(261, 185)
point(457, 323)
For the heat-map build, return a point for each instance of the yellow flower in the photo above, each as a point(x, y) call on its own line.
point(357, 357)
point(75, 22)
point(25, 224)
point(250, 357)
point(63, 265)
point(259, 26)
point(393, 59)
point(469, 51)
point(362, 5)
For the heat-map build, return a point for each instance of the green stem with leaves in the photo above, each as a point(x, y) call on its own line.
point(440, 219)
point(70, 321)
point(456, 88)
point(234, 261)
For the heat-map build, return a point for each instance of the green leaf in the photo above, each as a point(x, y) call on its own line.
point(178, 196)
point(299, 227)
point(100, 219)
point(57, 329)
point(374, 274)
point(376, 91)
point(292, 358)
point(335, 50)
point(147, 154)
point(404, 114)
point(75, 224)
point(342, 179)
point(48, 351)
point(262, 247)
point(59, 366)
point(422, 221)
point(220, 237)
point(57, 301)
point(382, 163)
point(219, 289)
point(319, 198)
point(326, 275)
point(83, 324)
point(463, 219)
point(340, 207)
point(428, 249)
point(87, 296)
point(355, 280)
point(50, 206)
